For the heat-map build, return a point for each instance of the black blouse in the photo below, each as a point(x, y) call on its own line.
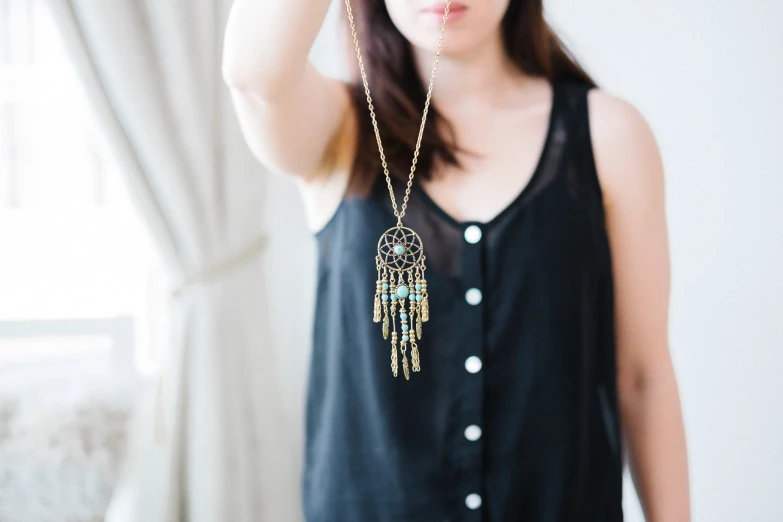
point(514, 415)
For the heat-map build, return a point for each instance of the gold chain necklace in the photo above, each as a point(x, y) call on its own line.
point(400, 259)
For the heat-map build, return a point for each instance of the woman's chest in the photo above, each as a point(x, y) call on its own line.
point(502, 155)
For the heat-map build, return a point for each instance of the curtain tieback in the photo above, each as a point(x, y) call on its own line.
point(218, 270)
point(208, 274)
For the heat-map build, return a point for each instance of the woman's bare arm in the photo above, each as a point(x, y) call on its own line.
point(631, 175)
point(289, 112)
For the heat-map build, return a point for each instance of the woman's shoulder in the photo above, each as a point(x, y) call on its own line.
point(625, 149)
point(614, 117)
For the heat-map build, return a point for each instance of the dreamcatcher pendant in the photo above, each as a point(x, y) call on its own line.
point(401, 284)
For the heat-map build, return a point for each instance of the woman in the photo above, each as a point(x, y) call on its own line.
point(540, 203)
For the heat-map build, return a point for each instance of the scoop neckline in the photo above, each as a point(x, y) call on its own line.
point(522, 193)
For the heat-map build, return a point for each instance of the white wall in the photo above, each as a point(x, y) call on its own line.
point(707, 75)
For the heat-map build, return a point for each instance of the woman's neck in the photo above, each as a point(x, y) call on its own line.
point(480, 77)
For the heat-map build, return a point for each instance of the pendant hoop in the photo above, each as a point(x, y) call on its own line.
point(400, 249)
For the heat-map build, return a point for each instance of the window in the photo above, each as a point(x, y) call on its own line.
point(80, 283)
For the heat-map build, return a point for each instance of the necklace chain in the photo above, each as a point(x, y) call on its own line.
point(398, 214)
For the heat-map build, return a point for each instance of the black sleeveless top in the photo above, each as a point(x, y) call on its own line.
point(514, 414)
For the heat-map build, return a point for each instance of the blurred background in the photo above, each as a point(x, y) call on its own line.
point(156, 283)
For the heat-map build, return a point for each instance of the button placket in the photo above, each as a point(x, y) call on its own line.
point(468, 452)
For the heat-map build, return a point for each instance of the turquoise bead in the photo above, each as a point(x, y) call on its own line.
point(418, 286)
point(402, 291)
point(385, 297)
point(413, 297)
point(403, 316)
point(404, 337)
point(385, 286)
point(399, 250)
point(405, 328)
point(418, 297)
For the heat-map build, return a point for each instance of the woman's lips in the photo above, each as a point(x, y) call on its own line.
point(456, 10)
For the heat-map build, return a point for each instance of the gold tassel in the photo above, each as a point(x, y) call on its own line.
point(405, 367)
point(425, 309)
point(415, 357)
point(394, 353)
point(376, 313)
point(394, 360)
point(418, 325)
point(385, 321)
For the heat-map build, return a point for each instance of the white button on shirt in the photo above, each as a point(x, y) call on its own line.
point(472, 433)
point(473, 501)
point(473, 364)
point(473, 234)
point(473, 296)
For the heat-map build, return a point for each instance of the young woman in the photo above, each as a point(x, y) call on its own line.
point(539, 200)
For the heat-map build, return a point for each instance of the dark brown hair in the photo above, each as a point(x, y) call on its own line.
point(398, 92)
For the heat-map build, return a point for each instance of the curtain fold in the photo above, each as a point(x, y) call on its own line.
point(212, 438)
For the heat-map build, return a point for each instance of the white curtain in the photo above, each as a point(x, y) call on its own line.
point(212, 439)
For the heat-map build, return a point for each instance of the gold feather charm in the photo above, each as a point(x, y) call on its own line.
point(394, 354)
